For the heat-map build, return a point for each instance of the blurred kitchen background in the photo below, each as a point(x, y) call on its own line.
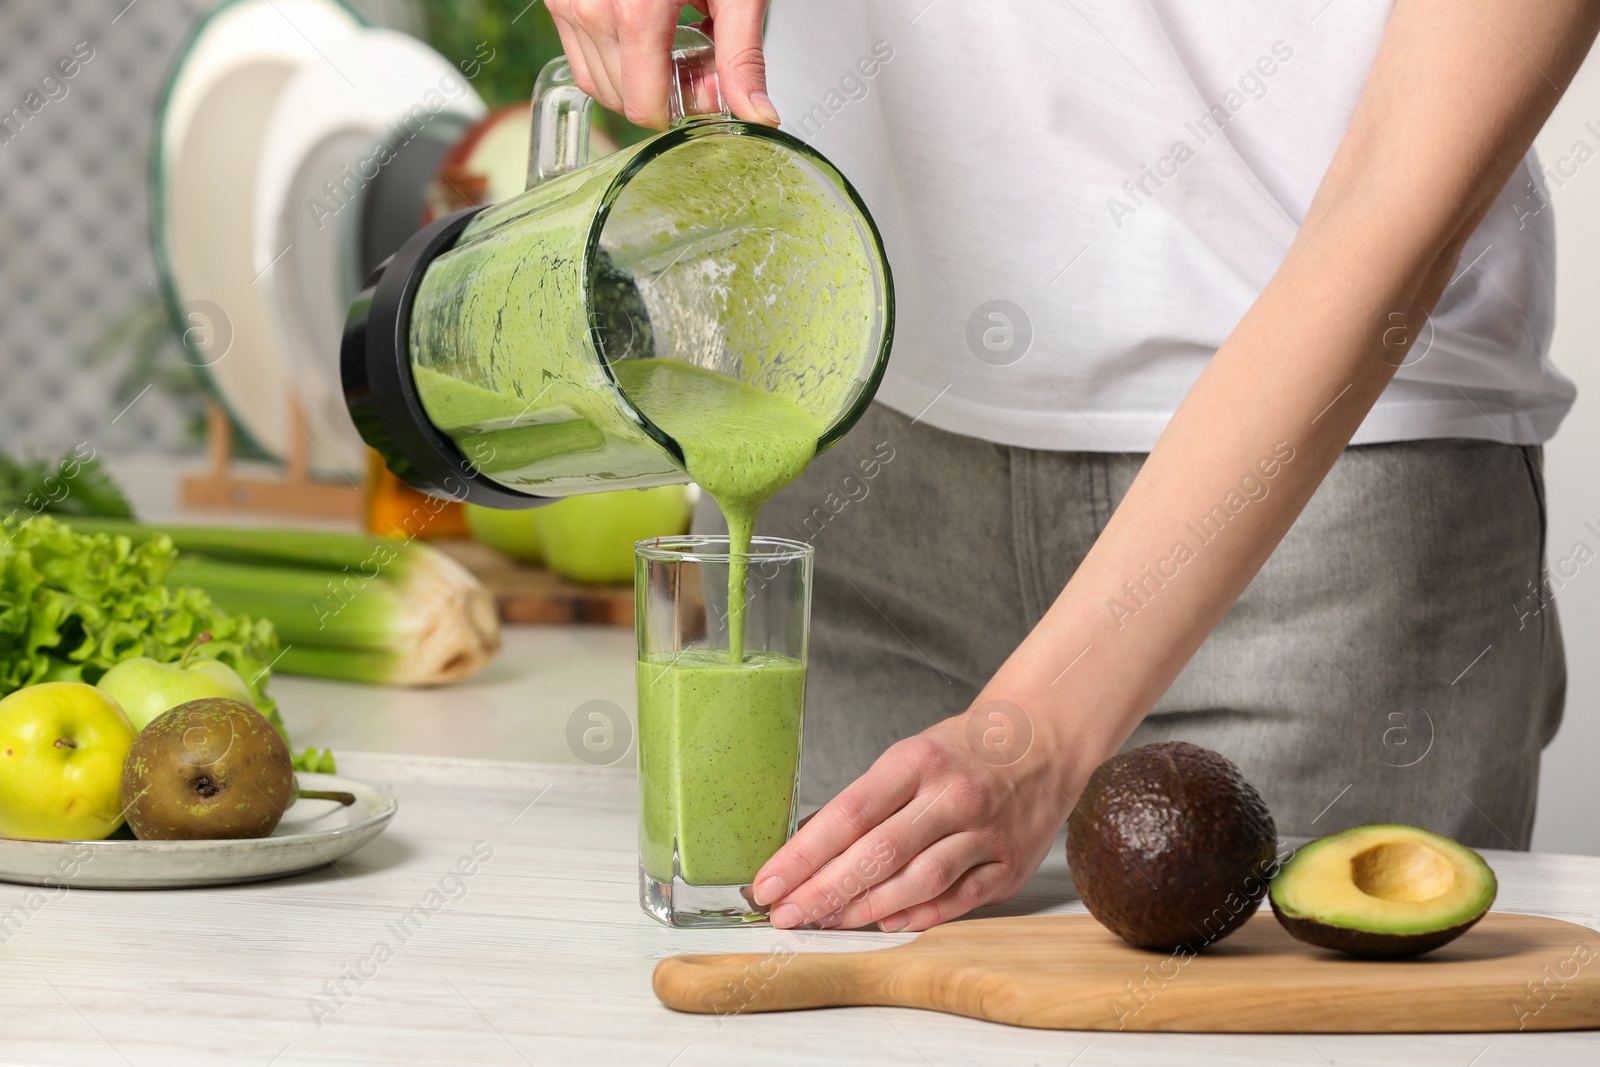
point(85, 330)
point(87, 349)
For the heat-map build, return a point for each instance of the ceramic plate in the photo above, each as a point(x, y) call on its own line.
point(324, 183)
point(210, 126)
point(313, 833)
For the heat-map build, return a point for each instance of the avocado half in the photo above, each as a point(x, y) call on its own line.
point(1384, 892)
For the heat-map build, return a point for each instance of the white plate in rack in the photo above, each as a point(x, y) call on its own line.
point(210, 131)
point(330, 204)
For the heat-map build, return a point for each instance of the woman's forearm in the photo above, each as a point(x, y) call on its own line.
point(1434, 138)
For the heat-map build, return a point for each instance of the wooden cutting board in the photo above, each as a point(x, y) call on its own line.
point(1067, 972)
point(531, 594)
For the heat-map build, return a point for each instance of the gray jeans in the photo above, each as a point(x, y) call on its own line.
point(1394, 661)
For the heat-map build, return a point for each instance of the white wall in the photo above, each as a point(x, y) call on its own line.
point(1569, 795)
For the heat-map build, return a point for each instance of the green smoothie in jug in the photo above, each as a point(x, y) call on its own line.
point(727, 254)
point(735, 297)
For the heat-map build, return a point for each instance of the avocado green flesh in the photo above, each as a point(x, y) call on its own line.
point(1382, 890)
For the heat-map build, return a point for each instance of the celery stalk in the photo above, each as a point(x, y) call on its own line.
point(307, 607)
point(309, 548)
point(364, 609)
point(341, 664)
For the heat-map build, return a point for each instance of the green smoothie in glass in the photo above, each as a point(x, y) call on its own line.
point(719, 746)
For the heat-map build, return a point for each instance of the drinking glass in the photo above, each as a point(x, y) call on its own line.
point(719, 741)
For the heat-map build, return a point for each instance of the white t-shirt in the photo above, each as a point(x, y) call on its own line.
point(1080, 200)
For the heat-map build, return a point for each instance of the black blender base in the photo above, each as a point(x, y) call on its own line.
point(380, 392)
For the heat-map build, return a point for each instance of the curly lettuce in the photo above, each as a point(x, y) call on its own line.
point(72, 605)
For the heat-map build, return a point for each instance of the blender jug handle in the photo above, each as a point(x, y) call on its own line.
point(694, 90)
point(560, 140)
point(561, 110)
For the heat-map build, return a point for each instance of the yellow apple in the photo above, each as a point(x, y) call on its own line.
point(62, 745)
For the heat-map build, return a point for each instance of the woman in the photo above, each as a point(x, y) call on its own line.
point(1222, 319)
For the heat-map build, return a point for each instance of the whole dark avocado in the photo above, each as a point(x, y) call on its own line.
point(208, 769)
point(1170, 848)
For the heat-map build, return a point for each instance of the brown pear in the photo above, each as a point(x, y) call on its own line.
point(208, 769)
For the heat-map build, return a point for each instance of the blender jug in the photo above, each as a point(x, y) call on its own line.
point(489, 359)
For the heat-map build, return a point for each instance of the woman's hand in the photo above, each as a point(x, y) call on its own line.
point(620, 51)
point(959, 816)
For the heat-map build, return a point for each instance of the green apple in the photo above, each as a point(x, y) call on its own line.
point(145, 688)
point(62, 745)
point(589, 537)
point(516, 532)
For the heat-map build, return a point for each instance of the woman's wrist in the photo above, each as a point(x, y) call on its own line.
point(1064, 713)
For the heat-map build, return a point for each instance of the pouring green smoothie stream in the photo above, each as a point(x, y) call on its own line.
point(740, 445)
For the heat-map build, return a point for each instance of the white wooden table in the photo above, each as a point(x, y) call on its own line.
point(542, 956)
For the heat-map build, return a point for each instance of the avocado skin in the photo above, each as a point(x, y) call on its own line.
point(1170, 848)
point(1366, 943)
